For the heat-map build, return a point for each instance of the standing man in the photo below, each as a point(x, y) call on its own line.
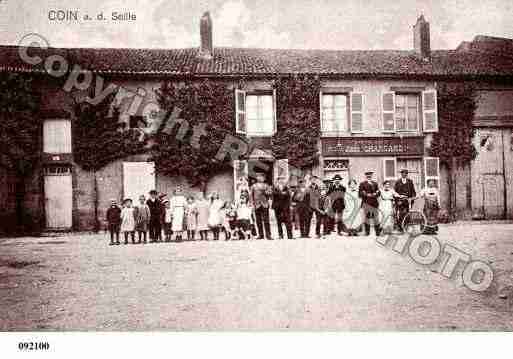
point(155, 217)
point(281, 206)
point(337, 193)
point(404, 186)
point(260, 193)
point(369, 193)
point(302, 200)
point(314, 196)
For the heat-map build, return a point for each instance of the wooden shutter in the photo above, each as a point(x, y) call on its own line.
point(389, 169)
point(357, 102)
point(388, 111)
point(281, 169)
point(240, 111)
point(431, 170)
point(275, 117)
point(429, 111)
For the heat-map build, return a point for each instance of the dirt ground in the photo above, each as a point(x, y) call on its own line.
point(78, 282)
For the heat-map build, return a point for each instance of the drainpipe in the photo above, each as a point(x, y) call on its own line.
point(505, 194)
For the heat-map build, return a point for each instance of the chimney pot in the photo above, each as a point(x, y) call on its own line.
point(206, 47)
point(421, 38)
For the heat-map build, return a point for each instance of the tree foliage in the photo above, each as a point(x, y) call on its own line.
point(298, 127)
point(20, 123)
point(456, 107)
point(99, 137)
point(207, 104)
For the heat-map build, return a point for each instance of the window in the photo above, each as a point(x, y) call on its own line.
point(406, 112)
point(400, 112)
point(57, 136)
point(431, 170)
point(389, 169)
point(334, 113)
point(255, 113)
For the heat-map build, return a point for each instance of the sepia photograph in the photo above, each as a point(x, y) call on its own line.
point(255, 166)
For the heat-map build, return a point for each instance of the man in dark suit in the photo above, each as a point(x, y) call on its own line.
point(404, 186)
point(281, 207)
point(337, 193)
point(314, 196)
point(260, 193)
point(302, 200)
point(369, 193)
point(156, 211)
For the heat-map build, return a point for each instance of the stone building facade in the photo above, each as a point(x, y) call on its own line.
point(378, 111)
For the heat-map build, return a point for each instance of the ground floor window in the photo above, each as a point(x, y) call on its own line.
point(337, 166)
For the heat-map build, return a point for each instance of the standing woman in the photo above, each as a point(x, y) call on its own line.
point(216, 214)
point(352, 215)
point(178, 203)
point(202, 209)
point(431, 207)
point(386, 207)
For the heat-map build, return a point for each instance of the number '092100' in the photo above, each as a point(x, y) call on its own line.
point(27, 346)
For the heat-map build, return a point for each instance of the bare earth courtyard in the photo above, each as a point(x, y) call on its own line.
point(78, 282)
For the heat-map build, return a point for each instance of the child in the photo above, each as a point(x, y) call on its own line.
point(231, 216)
point(168, 220)
point(142, 219)
point(216, 215)
point(202, 209)
point(128, 220)
point(114, 221)
point(323, 213)
point(192, 218)
point(244, 213)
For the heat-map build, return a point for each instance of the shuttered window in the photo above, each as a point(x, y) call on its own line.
point(406, 112)
point(357, 106)
point(432, 170)
point(388, 111)
point(430, 111)
point(57, 136)
point(240, 111)
point(259, 115)
point(334, 113)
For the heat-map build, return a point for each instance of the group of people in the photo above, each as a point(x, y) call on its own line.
point(334, 207)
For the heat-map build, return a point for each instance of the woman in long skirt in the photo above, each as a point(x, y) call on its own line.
point(386, 207)
point(431, 207)
point(202, 209)
point(178, 203)
point(352, 215)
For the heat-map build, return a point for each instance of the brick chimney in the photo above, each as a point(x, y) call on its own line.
point(207, 46)
point(421, 38)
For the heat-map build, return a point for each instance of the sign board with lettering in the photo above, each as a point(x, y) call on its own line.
point(372, 146)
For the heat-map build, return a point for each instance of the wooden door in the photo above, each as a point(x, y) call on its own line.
point(58, 198)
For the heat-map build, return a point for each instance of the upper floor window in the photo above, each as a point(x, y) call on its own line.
point(57, 136)
point(334, 112)
point(407, 112)
point(402, 112)
point(255, 113)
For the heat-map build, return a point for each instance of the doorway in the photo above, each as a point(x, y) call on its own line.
point(58, 190)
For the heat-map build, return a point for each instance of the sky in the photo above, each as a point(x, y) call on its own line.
point(301, 24)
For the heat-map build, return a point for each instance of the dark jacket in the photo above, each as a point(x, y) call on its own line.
point(114, 215)
point(337, 194)
point(281, 198)
point(314, 195)
point(369, 193)
point(301, 198)
point(156, 209)
point(406, 189)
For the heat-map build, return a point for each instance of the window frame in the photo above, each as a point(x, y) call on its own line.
point(347, 125)
point(406, 107)
point(385, 177)
point(426, 177)
point(68, 145)
point(257, 93)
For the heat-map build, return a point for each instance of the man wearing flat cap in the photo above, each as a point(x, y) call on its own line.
point(369, 193)
point(404, 186)
point(336, 194)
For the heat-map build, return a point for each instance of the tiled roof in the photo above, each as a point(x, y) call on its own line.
point(249, 61)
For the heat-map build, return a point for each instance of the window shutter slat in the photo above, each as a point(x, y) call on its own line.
point(240, 112)
point(389, 168)
point(430, 111)
point(357, 107)
point(388, 111)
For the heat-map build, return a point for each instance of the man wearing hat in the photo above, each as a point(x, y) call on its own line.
point(260, 193)
point(281, 206)
point(404, 186)
point(336, 193)
point(369, 193)
point(156, 212)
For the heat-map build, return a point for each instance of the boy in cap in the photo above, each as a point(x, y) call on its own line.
point(114, 221)
point(337, 192)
